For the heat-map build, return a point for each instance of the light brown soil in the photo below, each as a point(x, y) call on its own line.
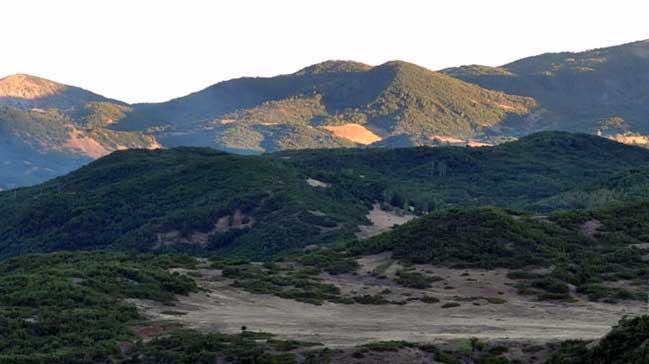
point(354, 132)
point(382, 221)
point(85, 144)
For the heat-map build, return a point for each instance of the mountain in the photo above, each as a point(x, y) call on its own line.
point(598, 91)
point(48, 129)
point(197, 199)
point(332, 104)
point(28, 91)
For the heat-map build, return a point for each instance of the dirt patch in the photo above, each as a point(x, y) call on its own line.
point(85, 144)
point(477, 144)
point(590, 227)
point(630, 138)
point(447, 140)
point(382, 221)
point(354, 132)
point(238, 220)
point(316, 183)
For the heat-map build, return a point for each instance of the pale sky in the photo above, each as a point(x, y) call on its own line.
point(143, 51)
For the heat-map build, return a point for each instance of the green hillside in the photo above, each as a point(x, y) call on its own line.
point(69, 308)
point(200, 200)
point(576, 91)
point(391, 99)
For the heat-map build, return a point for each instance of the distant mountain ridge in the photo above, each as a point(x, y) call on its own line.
point(22, 90)
point(603, 91)
point(334, 104)
point(47, 129)
point(396, 98)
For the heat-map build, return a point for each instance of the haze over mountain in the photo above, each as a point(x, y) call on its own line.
point(48, 128)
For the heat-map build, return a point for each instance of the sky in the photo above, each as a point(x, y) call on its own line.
point(146, 51)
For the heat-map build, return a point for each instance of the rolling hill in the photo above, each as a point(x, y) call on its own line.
point(396, 98)
point(197, 199)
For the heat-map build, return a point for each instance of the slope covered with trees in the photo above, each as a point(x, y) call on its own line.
point(201, 200)
point(627, 343)
point(391, 99)
point(601, 90)
point(70, 308)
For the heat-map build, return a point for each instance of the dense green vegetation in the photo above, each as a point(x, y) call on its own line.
point(627, 343)
point(190, 347)
point(200, 200)
point(575, 91)
point(165, 197)
point(537, 172)
point(69, 308)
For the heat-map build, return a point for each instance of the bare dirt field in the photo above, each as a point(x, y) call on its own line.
point(520, 318)
point(382, 221)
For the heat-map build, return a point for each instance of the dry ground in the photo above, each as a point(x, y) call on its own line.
point(521, 318)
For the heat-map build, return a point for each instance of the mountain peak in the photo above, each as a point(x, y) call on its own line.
point(334, 66)
point(26, 86)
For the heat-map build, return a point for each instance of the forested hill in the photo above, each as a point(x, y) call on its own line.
point(203, 200)
point(597, 91)
point(333, 103)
